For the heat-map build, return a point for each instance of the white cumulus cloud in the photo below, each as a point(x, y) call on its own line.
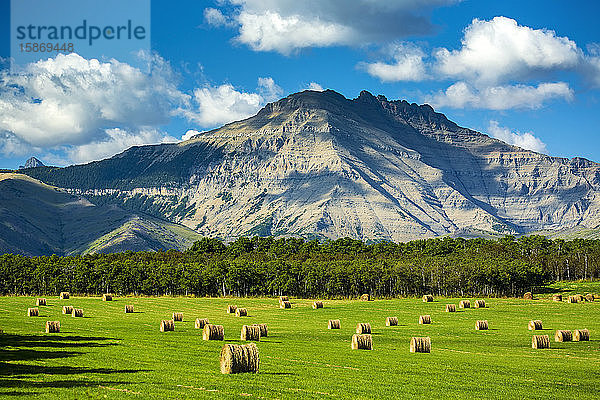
point(288, 25)
point(407, 65)
point(463, 95)
point(500, 49)
point(315, 86)
point(217, 105)
point(524, 140)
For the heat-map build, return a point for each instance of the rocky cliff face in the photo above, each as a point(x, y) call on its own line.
point(316, 164)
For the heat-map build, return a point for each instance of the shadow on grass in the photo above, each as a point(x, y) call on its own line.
point(53, 341)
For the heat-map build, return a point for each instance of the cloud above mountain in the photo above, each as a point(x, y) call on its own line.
point(525, 140)
point(289, 25)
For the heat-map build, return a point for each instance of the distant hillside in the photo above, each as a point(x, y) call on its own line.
point(319, 165)
point(38, 219)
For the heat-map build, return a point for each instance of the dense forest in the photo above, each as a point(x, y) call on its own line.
point(340, 268)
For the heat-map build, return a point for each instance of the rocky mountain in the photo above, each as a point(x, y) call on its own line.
point(316, 164)
point(37, 219)
point(32, 162)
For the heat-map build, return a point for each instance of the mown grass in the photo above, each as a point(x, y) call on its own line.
point(110, 354)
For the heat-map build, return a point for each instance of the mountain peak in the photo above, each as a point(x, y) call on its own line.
point(32, 162)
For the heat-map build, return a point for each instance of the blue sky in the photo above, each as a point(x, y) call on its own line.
point(527, 72)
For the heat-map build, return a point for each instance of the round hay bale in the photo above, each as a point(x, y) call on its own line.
point(77, 313)
point(334, 324)
point(363, 328)
point(528, 296)
point(464, 304)
point(535, 325)
point(239, 358)
point(178, 316)
point(285, 304)
point(589, 297)
point(167, 325)
point(64, 295)
point(106, 297)
point(420, 345)
point(479, 303)
point(231, 309)
point(580, 298)
point(40, 302)
point(562, 335)
point(250, 333)
point(264, 330)
point(580, 335)
point(391, 321)
point(213, 332)
point(283, 298)
point(67, 309)
point(557, 297)
point(481, 325)
point(241, 312)
point(362, 342)
point(52, 326)
point(317, 304)
point(573, 299)
point(427, 298)
point(365, 297)
point(200, 322)
point(424, 319)
point(540, 342)
point(33, 312)
point(450, 308)
point(128, 308)
point(596, 296)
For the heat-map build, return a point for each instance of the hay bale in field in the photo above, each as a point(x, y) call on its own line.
point(365, 297)
point(562, 335)
point(334, 324)
point(128, 308)
point(573, 299)
point(167, 325)
point(64, 295)
point(363, 328)
point(106, 297)
point(589, 297)
point(450, 308)
point(52, 326)
point(33, 312)
point(427, 298)
point(580, 298)
point(283, 298)
point(40, 302)
point(241, 312)
point(535, 325)
point(239, 358)
point(424, 319)
point(420, 345)
point(362, 342)
point(317, 304)
point(264, 330)
point(77, 313)
point(540, 342)
point(213, 332)
point(231, 309)
point(596, 296)
point(557, 297)
point(178, 316)
point(528, 296)
point(479, 303)
point(580, 335)
point(391, 321)
point(250, 333)
point(201, 322)
point(67, 310)
point(464, 304)
point(481, 325)
point(285, 304)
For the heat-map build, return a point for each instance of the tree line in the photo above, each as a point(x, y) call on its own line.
point(345, 267)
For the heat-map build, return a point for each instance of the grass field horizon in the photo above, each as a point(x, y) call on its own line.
point(110, 354)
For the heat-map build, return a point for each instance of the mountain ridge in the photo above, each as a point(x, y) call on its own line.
point(315, 164)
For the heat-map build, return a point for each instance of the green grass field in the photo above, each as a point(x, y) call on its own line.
point(110, 354)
